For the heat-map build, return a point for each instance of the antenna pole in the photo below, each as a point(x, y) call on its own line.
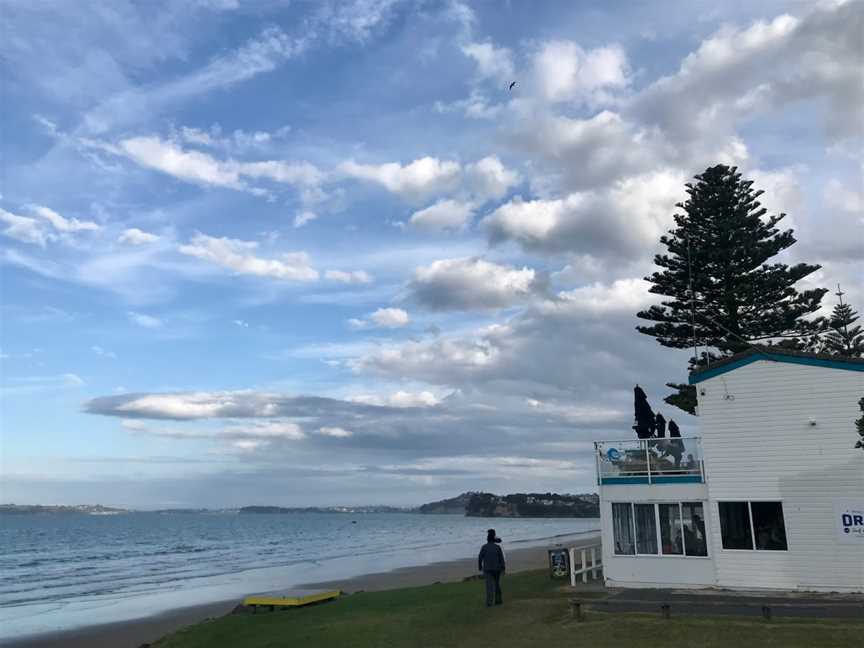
point(692, 302)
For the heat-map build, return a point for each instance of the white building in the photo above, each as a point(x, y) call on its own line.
point(771, 495)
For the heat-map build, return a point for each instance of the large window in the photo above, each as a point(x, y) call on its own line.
point(693, 518)
point(671, 538)
point(646, 529)
point(622, 529)
point(667, 529)
point(749, 525)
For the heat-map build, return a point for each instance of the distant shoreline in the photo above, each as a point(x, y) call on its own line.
point(133, 633)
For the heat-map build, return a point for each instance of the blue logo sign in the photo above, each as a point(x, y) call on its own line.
point(613, 454)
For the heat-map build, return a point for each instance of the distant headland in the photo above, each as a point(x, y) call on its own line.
point(471, 504)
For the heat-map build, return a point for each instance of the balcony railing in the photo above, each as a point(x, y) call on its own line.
point(650, 461)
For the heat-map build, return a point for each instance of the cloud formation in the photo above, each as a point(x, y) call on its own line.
point(473, 284)
point(239, 256)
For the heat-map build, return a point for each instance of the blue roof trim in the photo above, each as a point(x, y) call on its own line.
point(655, 479)
point(774, 357)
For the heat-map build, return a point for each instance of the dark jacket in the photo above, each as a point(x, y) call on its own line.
point(491, 558)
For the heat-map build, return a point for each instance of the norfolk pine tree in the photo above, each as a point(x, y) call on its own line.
point(844, 337)
point(722, 244)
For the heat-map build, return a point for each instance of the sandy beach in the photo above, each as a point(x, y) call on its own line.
point(134, 633)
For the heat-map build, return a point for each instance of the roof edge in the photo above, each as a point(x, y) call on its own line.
point(755, 354)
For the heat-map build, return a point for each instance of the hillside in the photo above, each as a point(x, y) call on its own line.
point(533, 505)
point(516, 505)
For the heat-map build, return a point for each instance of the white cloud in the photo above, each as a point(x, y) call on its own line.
point(494, 63)
point(62, 224)
point(240, 323)
point(145, 321)
point(421, 178)
point(32, 230)
point(202, 168)
point(390, 318)
point(444, 215)
point(335, 432)
point(348, 277)
point(382, 318)
point(192, 166)
point(400, 398)
point(135, 236)
point(625, 220)
point(103, 352)
point(489, 178)
point(622, 296)
point(238, 256)
point(426, 177)
point(563, 71)
point(72, 380)
point(23, 228)
point(304, 217)
point(473, 284)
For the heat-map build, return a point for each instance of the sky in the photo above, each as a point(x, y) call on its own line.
point(317, 253)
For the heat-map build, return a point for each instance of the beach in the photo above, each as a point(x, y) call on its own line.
point(134, 633)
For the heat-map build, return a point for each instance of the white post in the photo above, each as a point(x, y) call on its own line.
point(584, 570)
point(594, 563)
point(572, 567)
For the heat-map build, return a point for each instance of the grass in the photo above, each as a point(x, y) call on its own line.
point(536, 613)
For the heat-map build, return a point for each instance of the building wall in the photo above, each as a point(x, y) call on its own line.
point(759, 444)
point(652, 571)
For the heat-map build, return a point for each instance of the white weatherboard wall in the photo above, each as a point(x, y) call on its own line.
point(652, 571)
point(759, 444)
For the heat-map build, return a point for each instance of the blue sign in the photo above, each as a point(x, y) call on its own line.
point(613, 454)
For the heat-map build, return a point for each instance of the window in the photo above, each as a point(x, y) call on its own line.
point(735, 525)
point(667, 529)
point(671, 538)
point(622, 529)
point(695, 540)
point(769, 530)
point(749, 525)
point(646, 529)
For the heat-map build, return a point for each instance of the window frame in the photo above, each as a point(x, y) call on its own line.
point(752, 528)
point(658, 533)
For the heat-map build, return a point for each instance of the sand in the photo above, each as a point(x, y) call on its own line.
point(132, 634)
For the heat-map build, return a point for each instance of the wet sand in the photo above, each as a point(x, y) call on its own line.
point(132, 634)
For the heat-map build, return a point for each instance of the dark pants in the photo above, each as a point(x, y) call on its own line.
point(493, 587)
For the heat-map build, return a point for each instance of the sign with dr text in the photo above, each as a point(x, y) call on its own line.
point(849, 518)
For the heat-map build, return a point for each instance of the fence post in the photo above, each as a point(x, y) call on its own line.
point(572, 567)
point(666, 609)
point(647, 461)
point(584, 570)
point(593, 563)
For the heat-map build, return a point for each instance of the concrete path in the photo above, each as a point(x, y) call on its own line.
point(750, 604)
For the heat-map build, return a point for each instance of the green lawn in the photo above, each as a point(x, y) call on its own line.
point(535, 613)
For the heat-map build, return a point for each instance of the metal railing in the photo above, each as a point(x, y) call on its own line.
point(584, 568)
point(650, 460)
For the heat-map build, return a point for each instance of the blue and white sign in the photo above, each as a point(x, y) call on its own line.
point(849, 516)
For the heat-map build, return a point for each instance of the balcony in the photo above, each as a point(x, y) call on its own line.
point(650, 461)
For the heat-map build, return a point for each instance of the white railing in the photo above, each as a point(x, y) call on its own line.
point(649, 460)
point(584, 568)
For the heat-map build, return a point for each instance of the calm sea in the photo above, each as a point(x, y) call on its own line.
point(65, 571)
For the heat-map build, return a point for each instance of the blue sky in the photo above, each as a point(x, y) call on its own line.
point(288, 253)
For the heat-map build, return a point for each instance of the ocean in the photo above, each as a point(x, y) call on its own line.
point(72, 570)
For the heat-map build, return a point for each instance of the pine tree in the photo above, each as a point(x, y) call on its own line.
point(844, 338)
point(721, 292)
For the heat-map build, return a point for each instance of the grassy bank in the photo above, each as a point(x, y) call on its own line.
point(536, 613)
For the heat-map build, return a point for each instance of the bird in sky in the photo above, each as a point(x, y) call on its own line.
point(512, 84)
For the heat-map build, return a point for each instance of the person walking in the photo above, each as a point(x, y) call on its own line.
point(491, 563)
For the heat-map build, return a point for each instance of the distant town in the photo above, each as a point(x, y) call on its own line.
point(472, 504)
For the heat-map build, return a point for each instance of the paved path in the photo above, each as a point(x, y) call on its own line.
point(711, 602)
